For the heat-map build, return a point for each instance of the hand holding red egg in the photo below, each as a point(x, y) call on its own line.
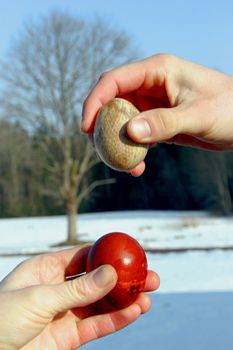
point(128, 258)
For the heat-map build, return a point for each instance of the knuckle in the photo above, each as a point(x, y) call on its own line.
point(169, 64)
point(162, 122)
point(34, 295)
point(168, 124)
point(165, 59)
point(49, 268)
point(79, 289)
point(37, 301)
point(104, 75)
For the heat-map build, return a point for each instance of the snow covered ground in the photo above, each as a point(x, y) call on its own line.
point(193, 308)
point(153, 229)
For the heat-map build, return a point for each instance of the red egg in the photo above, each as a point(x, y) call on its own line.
point(128, 258)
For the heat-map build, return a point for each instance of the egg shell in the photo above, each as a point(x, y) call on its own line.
point(128, 258)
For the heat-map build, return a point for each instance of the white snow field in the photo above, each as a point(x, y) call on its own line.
point(193, 308)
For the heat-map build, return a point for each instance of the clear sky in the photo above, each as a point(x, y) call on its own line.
point(198, 30)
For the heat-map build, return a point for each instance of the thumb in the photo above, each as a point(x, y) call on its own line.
point(162, 124)
point(79, 292)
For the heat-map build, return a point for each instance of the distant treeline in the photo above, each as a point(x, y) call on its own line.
point(177, 178)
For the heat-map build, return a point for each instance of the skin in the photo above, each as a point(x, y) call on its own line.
point(180, 102)
point(41, 310)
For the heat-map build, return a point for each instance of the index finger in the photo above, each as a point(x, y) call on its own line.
point(47, 268)
point(118, 82)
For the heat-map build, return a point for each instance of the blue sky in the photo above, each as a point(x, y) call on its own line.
point(200, 30)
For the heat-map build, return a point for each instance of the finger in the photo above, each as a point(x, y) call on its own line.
point(101, 325)
point(152, 281)
point(65, 263)
point(117, 82)
point(80, 292)
point(139, 170)
point(76, 263)
point(164, 123)
point(48, 268)
point(144, 302)
point(146, 77)
point(70, 261)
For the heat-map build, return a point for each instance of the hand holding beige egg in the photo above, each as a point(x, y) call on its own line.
point(111, 141)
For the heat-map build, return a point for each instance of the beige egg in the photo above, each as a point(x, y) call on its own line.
point(112, 143)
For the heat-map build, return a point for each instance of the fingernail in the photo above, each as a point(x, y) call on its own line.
point(103, 276)
point(140, 128)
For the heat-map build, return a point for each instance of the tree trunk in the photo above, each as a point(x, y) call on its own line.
point(71, 209)
point(72, 220)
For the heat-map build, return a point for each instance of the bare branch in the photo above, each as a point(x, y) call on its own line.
point(86, 191)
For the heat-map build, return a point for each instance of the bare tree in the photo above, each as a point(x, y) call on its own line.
point(49, 70)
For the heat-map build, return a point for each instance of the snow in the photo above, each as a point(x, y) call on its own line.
point(153, 229)
point(193, 308)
